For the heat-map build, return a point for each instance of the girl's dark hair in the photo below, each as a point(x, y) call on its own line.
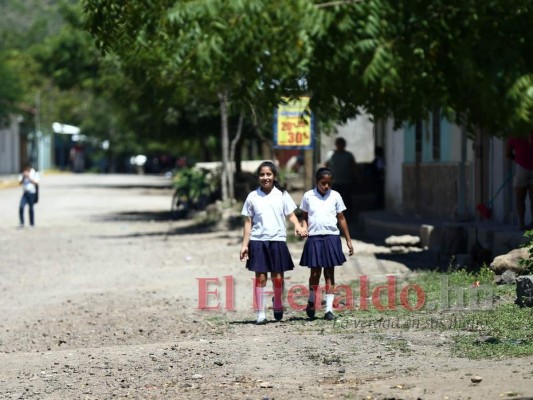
point(323, 172)
point(274, 169)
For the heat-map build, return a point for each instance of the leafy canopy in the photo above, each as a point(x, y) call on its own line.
point(472, 58)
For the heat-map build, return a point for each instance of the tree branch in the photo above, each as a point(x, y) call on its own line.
point(337, 3)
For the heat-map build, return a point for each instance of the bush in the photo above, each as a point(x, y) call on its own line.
point(197, 185)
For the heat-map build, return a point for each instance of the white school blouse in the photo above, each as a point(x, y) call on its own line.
point(322, 211)
point(27, 186)
point(268, 213)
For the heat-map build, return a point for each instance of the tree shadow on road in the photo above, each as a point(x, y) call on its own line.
point(185, 226)
point(136, 216)
point(163, 186)
point(424, 260)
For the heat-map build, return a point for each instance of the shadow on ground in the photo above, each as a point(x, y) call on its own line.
point(162, 186)
point(424, 260)
point(136, 216)
point(188, 227)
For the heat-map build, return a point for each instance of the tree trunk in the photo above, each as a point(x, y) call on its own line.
point(267, 151)
point(223, 98)
point(234, 142)
point(238, 158)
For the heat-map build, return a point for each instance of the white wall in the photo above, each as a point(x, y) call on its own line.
point(394, 156)
point(359, 136)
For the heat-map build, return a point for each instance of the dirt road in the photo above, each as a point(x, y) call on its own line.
point(101, 301)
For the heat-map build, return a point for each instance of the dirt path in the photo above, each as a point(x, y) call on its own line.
point(101, 300)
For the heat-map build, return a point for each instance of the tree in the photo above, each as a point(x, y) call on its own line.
point(9, 89)
point(404, 58)
point(243, 52)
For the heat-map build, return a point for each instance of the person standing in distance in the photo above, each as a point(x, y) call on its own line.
point(342, 163)
point(520, 150)
point(322, 216)
point(29, 179)
point(264, 246)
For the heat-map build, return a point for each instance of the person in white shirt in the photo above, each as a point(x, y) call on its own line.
point(264, 246)
point(322, 210)
point(29, 179)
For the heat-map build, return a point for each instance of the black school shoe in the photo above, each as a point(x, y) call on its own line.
point(329, 316)
point(310, 309)
point(278, 314)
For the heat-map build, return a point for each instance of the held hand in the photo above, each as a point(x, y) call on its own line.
point(300, 231)
point(244, 254)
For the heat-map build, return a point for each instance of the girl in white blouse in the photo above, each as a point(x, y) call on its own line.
point(264, 244)
point(322, 215)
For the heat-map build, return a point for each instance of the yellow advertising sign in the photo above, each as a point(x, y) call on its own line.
point(293, 125)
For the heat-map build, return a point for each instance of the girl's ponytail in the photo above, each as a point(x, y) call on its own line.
point(278, 186)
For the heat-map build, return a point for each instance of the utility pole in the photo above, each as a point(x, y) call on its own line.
point(34, 155)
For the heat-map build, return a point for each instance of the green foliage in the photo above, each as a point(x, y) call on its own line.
point(399, 59)
point(504, 331)
point(453, 292)
point(68, 58)
point(528, 262)
point(402, 59)
point(498, 328)
point(522, 93)
point(54, 61)
point(9, 89)
point(252, 49)
point(26, 22)
point(166, 61)
point(194, 183)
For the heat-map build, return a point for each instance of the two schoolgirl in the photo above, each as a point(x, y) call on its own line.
point(264, 246)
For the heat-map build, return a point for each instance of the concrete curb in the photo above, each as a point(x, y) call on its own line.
point(499, 238)
point(9, 181)
point(5, 184)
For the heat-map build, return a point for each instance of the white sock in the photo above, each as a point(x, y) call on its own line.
point(260, 303)
point(329, 302)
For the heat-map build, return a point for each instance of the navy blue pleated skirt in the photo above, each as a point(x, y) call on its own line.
point(269, 256)
point(322, 251)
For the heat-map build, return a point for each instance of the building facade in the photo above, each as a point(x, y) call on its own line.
point(10, 147)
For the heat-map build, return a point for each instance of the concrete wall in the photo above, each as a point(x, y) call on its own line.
point(44, 149)
point(10, 147)
point(359, 135)
point(394, 157)
point(438, 189)
point(501, 183)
